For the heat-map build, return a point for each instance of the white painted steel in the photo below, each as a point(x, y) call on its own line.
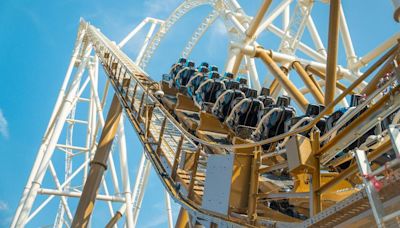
point(233, 17)
point(169, 210)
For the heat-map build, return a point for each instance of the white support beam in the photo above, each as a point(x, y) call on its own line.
point(363, 61)
point(283, 7)
point(50, 143)
point(169, 210)
point(76, 52)
point(316, 37)
point(145, 43)
point(140, 186)
point(123, 157)
point(107, 198)
point(346, 39)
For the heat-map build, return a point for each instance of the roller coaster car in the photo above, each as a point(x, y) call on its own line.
point(196, 80)
point(208, 93)
point(213, 130)
point(169, 98)
point(175, 68)
point(227, 100)
point(272, 121)
point(339, 116)
point(185, 74)
point(187, 111)
point(168, 85)
point(244, 117)
point(311, 112)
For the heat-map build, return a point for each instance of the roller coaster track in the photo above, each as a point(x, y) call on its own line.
point(165, 140)
point(312, 173)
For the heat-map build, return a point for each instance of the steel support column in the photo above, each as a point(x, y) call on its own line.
point(319, 97)
point(250, 32)
point(331, 75)
point(98, 166)
point(283, 79)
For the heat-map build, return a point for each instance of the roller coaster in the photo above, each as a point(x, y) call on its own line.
point(320, 151)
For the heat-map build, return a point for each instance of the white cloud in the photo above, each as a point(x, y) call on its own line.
point(3, 125)
point(3, 206)
point(219, 29)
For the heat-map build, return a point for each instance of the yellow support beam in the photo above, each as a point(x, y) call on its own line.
point(282, 78)
point(97, 166)
point(333, 43)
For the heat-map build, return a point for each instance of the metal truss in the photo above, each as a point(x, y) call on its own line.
point(81, 86)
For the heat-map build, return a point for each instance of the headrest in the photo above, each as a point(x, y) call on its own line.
point(251, 93)
point(213, 75)
point(190, 63)
point(203, 69)
point(232, 85)
point(321, 107)
point(243, 81)
point(267, 100)
point(214, 68)
point(243, 88)
point(264, 92)
point(356, 99)
point(182, 61)
point(228, 75)
point(205, 64)
point(312, 110)
point(283, 101)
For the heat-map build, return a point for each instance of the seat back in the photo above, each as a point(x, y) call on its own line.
point(251, 93)
point(170, 77)
point(266, 100)
point(230, 84)
point(245, 113)
point(272, 123)
point(264, 92)
point(212, 91)
point(225, 102)
point(184, 76)
point(209, 91)
point(195, 82)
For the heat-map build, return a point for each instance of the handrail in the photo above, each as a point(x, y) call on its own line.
point(188, 135)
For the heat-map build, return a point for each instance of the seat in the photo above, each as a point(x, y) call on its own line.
point(203, 64)
point(227, 100)
point(266, 100)
point(228, 79)
point(185, 74)
point(243, 85)
point(208, 92)
point(175, 68)
point(264, 92)
point(311, 112)
point(228, 76)
point(272, 124)
point(243, 117)
point(214, 68)
point(251, 93)
point(196, 80)
point(272, 120)
point(265, 97)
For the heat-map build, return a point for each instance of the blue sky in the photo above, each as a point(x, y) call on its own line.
point(36, 40)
